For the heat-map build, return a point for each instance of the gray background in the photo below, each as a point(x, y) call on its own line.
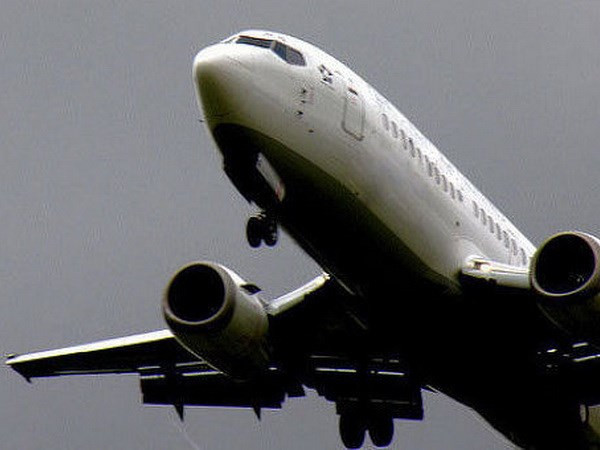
point(108, 182)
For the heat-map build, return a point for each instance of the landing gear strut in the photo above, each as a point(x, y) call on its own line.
point(262, 228)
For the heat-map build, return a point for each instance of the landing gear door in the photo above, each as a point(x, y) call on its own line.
point(353, 122)
point(270, 176)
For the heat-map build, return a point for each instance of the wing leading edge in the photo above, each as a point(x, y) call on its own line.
point(112, 356)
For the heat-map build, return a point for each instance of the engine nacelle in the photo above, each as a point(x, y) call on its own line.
point(215, 318)
point(565, 271)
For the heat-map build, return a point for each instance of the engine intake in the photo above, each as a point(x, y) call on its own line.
point(213, 317)
point(196, 295)
point(566, 265)
point(565, 272)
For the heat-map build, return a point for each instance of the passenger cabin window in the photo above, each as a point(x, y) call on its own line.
point(491, 225)
point(498, 232)
point(475, 209)
point(385, 121)
point(444, 183)
point(289, 54)
point(483, 216)
point(506, 240)
point(451, 190)
point(459, 195)
point(394, 130)
point(523, 257)
point(514, 247)
point(411, 146)
point(403, 138)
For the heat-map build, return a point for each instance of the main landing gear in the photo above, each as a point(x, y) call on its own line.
point(369, 399)
point(354, 425)
point(262, 228)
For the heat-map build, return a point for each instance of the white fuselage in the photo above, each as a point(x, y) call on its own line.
point(332, 118)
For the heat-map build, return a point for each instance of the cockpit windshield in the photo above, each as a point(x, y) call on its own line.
point(284, 51)
point(258, 42)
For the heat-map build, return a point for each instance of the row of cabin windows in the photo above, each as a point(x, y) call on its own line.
point(488, 221)
point(447, 186)
point(409, 145)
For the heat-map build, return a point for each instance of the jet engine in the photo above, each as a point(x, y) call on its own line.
point(213, 313)
point(565, 271)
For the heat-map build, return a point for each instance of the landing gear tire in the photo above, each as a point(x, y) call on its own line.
point(381, 431)
point(271, 233)
point(262, 228)
point(352, 430)
point(254, 232)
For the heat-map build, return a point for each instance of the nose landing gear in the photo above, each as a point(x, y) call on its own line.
point(262, 228)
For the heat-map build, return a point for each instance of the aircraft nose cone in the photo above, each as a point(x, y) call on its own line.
point(220, 81)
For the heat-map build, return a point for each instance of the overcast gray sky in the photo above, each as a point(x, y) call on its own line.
point(108, 182)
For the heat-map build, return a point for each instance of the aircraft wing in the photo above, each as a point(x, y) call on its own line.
point(314, 316)
point(130, 353)
point(120, 355)
point(169, 374)
point(583, 358)
point(136, 353)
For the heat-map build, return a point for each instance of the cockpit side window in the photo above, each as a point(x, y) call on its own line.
point(295, 57)
point(257, 42)
point(289, 54)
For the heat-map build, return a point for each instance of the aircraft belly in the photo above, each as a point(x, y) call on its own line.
point(331, 222)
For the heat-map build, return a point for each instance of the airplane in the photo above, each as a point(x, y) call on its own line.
point(426, 285)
